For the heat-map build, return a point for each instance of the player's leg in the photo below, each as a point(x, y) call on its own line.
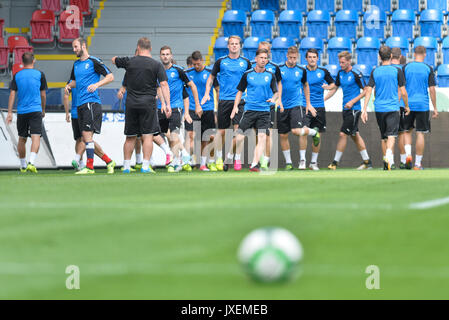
point(79, 146)
point(35, 128)
point(208, 136)
point(341, 146)
point(401, 144)
point(265, 159)
point(147, 146)
point(223, 123)
point(409, 122)
point(284, 120)
point(23, 131)
point(259, 150)
point(235, 124)
point(422, 127)
point(391, 132)
point(320, 123)
point(128, 148)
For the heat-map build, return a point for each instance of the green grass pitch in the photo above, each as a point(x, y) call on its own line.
point(176, 236)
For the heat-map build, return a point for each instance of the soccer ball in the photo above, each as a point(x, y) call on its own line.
point(270, 254)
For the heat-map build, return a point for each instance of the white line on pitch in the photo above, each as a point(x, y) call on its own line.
point(429, 204)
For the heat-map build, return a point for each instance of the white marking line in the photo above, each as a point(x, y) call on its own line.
point(429, 204)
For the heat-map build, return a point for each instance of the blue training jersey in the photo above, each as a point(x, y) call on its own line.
point(419, 76)
point(401, 102)
point(386, 80)
point(229, 72)
point(350, 82)
point(260, 88)
point(316, 79)
point(200, 80)
point(28, 83)
point(293, 80)
point(177, 79)
point(86, 73)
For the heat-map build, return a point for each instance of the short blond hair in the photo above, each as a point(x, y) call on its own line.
point(235, 37)
point(345, 54)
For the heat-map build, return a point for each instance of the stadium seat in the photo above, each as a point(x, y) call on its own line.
point(398, 42)
point(409, 5)
point(68, 29)
point(356, 5)
point(234, 22)
point(279, 48)
point(300, 5)
point(446, 50)
point(18, 45)
point(403, 22)
point(53, 5)
point(289, 24)
point(244, 5)
point(2, 24)
point(318, 24)
point(383, 5)
point(365, 70)
point(333, 69)
point(221, 47)
point(261, 23)
point(346, 22)
point(16, 68)
point(337, 45)
point(42, 26)
point(327, 5)
point(310, 43)
point(443, 75)
point(437, 4)
point(431, 46)
point(272, 5)
point(85, 6)
point(367, 51)
point(430, 22)
point(4, 55)
point(250, 46)
point(374, 23)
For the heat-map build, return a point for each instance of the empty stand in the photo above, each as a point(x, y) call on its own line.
point(445, 49)
point(234, 22)
point(383, 5)
point(70, 27)
point(318, 24)
point(333, 69)
point(365, 70)
point(443, 75)
point(300, 5)
point(261, 24)
point(403, 23)
point(328, 5)
point(16, 68)
point(85, 6)
point(244, 5)
point(289, 24)
point(250, 46)
point(280, 47)
point(430, 22)
point(374, 22)
point(367, 51)
point(310, 43)
point(337, 45)
point(399, 42)
point(221, 47)
point(431, 46)
point(42, 26)
point(53, 5)
point(346, 22)
point(356, 5)
point(272, 5)
point(4, 55)
point(18, 45)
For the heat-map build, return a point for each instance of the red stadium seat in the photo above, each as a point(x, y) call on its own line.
point(53, 5)
point(69, 29)
point(83, 5)
point(18, 45)
point(4, 55)
point(2, 24)
point(42, 26)
point(16, 68)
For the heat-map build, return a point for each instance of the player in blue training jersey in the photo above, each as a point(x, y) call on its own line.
point(199, 75)
point(229, 70)
point(351, 83)
point(29, 85)
point(388, 81)
point(177, 79)
point(419, 82)
point(261, 88)
point(86, 74)
point(295, 90)
point(317, 78)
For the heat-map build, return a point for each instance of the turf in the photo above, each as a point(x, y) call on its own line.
point(176, 236)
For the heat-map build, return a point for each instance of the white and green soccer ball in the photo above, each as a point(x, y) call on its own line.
point(270, 254)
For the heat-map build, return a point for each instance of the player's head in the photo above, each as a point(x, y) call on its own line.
point(79, 46)
point(189, 62)
point(261, 57)
point(312, 57)
point(292, 56)
point(166, 55)
point(197, 61)
point(345, 59)
point(385, 53)
point(265, 45)
point(396, 54)
point(403, 60)
point(28, 59)
point(234, 43)
point(144, 45)
point(420, 53)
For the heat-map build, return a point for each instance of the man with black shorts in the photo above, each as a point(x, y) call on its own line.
point(86, 74)
point(351, 83)
point(419, 82)
point(229, 70)
point(29, 85)
point(388, 81)
point(295, 90)
point(261, 88)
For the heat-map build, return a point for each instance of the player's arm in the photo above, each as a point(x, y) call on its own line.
point(404, 95)
point(368, 90)
point(209, 83)
point(330, 81)
point(43, 89)
point(275, 90)
point(72, 84)
point(198, 109)
point(235, 109)
point(359, 81)
point(166, 96)
point(100, 68)
point(309, 107)
point(432, 92)
point(12, 98)
point(331, 93)
point(120, 62)
point(65, 101)
point(186, 100)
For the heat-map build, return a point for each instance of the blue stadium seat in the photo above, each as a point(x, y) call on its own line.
point(289, 24)
point(431, 45)
point(403, 22)
point(279, 48)
point(437, 4)
point(310, 43)
point(250, 46)
point(374, 23)
point(318, 24)
point(446, 50)
point(333, 69)
point(234, 22)
point(300, 5)
point(328, 5)
point(430, 22)
point(365, 70)
point(383, 5)
point(261, 24)
point(272, 5)
point(244, 5)
point(346, 22)
point(409, 5)
point(356, 5)
point(367, 51)
point(221, 47)
point(337, 45)
point(443, 75)
point(398, 42)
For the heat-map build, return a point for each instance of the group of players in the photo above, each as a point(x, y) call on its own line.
point(251, 95)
